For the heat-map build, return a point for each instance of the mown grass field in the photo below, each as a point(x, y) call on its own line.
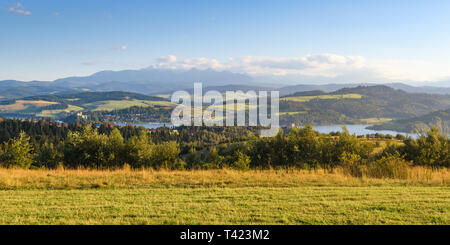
point(375, 120)
point(322, 97)
point(220, 197)
point(26, 106)
point(56, 113)
point(109, 105)
point(36, 107)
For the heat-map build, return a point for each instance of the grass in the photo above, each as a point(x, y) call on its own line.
point(290, 113)
point(109, 105)
point(375, 120)
point(221, 197)
point(165, 96)
point(322, 97)
point(237, 107)
point(26, 106)
point(35, 106)
point(56, 113)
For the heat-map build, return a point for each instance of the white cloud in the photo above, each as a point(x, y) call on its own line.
point(328, 66)
point(415, 70)
point(172, 62)
point(323, 64)
point(19, 9)
point(124, 47)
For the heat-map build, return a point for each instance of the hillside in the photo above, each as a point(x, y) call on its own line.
point(134, 114)
point(63, 105)
point(438, 119)
point(358, 105)
point(12, 89)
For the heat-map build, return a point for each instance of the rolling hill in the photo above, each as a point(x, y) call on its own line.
point(358, 105)
point(439, 119)
point(355, 105)
point(63, 105)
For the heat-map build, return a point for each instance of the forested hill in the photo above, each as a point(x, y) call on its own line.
point(358, 105)
point(307, 93)
point(89, 97)
point(438, 119)
point(64, 105)
point(363, 104)
point(394, 95)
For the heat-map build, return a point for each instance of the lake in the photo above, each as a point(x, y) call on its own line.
point(146, 125)
point(358, 130)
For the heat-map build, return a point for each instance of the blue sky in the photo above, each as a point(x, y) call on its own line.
point(385, 40)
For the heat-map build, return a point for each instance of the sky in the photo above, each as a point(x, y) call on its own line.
point(370, 40)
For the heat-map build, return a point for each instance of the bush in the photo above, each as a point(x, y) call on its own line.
point(390, 166)
point(393, 166)
point(193, 160)
point(431, 150)
point(213, 160)
point(351, 164)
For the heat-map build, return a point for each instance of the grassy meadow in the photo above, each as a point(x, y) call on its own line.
point(26, 106)
point(322, 97)
point(221, 197)
point(56, 113)
point(37, 107)
point(109, 105)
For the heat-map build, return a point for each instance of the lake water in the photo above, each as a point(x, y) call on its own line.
point(146, 125)
point(358, 130)
point(353, 129)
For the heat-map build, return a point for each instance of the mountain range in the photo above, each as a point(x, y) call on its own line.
point(152, 81)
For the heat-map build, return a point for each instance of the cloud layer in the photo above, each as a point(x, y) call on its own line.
point(327, 66)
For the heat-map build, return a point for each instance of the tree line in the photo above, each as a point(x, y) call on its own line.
point(108, 147)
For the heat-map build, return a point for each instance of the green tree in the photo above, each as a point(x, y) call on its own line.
point(165, 155)
point(432, 149)
point(17, 152)
point(48, 156)
point(116, 149)
point(193, 159)
point(87, 149)
point(139, 150)
point(241, 162)
point(214, 160)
